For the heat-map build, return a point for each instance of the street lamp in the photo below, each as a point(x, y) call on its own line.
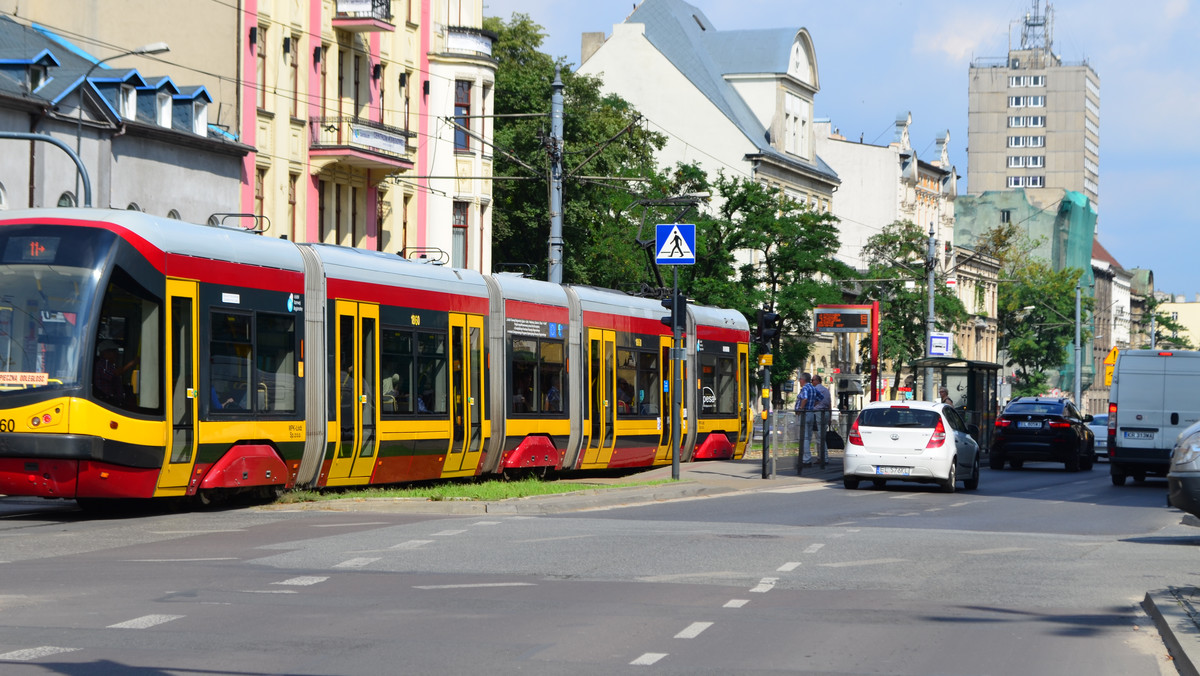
point(152, 48)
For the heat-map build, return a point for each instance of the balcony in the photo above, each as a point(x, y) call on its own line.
point(358, 143)
point(469, 41)
point(364, 16)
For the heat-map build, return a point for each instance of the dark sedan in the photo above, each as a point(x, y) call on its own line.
point(1042, 429)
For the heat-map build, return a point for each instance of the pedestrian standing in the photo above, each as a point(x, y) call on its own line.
point(823, 405)
point(804, 408)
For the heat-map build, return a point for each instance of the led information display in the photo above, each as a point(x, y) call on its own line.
point(829, 320)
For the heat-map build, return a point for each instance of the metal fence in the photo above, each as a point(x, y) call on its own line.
point(786, 434)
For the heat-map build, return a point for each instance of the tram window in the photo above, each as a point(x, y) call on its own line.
point(229, 372)
point(647, 383)
point(275, 362)
point(396, 361)
point(726, 386)
point(127, 370)
point(538, 369)
point(626, 377)
point(432, 378)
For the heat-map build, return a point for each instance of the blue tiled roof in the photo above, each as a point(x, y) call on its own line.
point(704, 55)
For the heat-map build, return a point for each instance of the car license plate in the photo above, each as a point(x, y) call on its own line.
point(1027, 425)
point(899, 471)
point(1139, 435)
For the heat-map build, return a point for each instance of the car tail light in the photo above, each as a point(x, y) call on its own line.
point(1003, 422)
point(1059, 424)
point(939, 436)
point(854, 436)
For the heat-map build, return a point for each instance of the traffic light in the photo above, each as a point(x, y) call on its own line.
point(768, 327)
point(680, 320)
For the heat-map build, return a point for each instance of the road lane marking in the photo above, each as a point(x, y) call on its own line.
point(144, 622)
point(35, 653)
point(450, 532)
point(486, 523)
point(999, 550)
point(552, 539)
point(303, 580)
point(694, 629)
point(648, 659)
point(268, 591)
point(357, 562)
point(813, 548)
point(906, 496)
point(211, 558)
point(865, 562)
point(798, 489)
point(474, 586)
point(960, 504)
point(735, 603)
point(348, 525)
point(196, 532)
point(788, 567)
point(765, 585)
point(411, 544)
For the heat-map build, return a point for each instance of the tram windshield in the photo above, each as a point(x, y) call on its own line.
point(48, 277)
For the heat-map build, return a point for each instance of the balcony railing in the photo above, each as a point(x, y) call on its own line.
point(359, 142)
point(359, 16)
point(467, 40)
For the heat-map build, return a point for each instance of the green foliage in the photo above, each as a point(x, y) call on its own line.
point(896, 270)
point(598, 234)
point(1168, 333)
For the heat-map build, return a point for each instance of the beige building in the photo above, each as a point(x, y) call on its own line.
point(366, 116)
point(1187, 313)
point(1033, 120)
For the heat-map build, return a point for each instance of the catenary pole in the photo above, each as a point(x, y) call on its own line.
point(554, 269)
point(930, 318)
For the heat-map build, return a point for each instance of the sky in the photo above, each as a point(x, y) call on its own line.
point(879, 58)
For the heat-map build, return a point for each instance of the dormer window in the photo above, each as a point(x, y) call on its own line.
point(127, 107)
point(200, 118)
point(163, 111)
point(37, 77)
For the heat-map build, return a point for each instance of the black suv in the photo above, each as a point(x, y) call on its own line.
point(1042, 428)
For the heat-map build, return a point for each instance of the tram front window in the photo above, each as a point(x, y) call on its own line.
point(48, 278)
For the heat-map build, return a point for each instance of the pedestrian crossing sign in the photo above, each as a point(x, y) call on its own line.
point(675, 243)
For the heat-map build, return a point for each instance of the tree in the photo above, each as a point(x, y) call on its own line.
point(1035, 308)
point(896, 277)
point(598, 233)
point(1168, 332)
point(760, 248)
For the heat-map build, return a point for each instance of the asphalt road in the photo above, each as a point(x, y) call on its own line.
point(1038, 572)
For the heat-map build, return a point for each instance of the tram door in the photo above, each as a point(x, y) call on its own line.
point(602, 387)
point(466, 395)
point(743, 393)
point(664, 392)
point(356, 392)
point(180, 454)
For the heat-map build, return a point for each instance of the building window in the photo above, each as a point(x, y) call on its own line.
point(67, 199)
point(462, 115)
point(1015, 161)
point(260, 179)
point(1005, 216)
point(356, 83)
point(200, 118)
point(163, 100)
point(458, 239)
point(382, 92)
point(128, 102)
point(294, 75)
point(260, 65)
point(1016, 121)
point(293, 179)
point(1035, 141)
point(1035, 101)
point(1035, 181)
point(1035, 161)
point(1016, 141)
point(1016, 102)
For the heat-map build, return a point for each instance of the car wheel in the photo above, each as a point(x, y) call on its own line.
point(951, 479)
point(1088, 460)
point(1072, 462)
point(850, 483)
point(996, 461)
point(1118, 479)
point(972, 482)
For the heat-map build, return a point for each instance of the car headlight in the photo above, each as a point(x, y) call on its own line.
point(1187, 451)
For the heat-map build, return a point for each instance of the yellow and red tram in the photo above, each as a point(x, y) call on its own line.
point(144, 357)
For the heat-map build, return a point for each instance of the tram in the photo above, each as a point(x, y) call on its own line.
point(143, 357)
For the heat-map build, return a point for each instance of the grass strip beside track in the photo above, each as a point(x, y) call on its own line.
point(485, 491)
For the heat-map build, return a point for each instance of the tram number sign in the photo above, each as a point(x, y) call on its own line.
point(829, 320)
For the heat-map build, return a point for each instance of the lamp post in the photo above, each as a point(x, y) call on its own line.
point(152, 48)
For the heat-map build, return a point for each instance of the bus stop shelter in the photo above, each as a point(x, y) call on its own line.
point(972, 386)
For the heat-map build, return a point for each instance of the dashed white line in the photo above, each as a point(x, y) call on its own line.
point(648, 659)
point(144, 622)
point(788, 567)
point(813, 548)
point(211, 558)
point(906, 496)
point(348, 525)
point(865, 562)
point(411, 544)
point(999, 550)
point(357, 562)
point(34, 653)
point(268, 591)
point(450, 532)
point(486, 523)
point(765, 585)
point(475, 586)
point(735, 603)
point(303, 580)
point(694, 629)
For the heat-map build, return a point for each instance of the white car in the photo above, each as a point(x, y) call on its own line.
point(918, 441)
point(1099, 426)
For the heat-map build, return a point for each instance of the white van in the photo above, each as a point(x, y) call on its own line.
point(1155, 395)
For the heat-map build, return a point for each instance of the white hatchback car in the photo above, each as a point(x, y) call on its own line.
point(918, 441)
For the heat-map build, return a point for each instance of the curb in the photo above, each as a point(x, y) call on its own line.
point(1175, 616)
